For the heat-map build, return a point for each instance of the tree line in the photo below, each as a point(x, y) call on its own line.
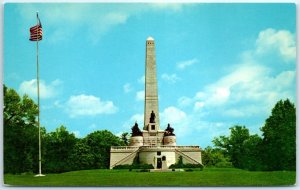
point(275, 150)
point(62, 151)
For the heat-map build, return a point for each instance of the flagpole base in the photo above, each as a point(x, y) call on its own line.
point(39, 175)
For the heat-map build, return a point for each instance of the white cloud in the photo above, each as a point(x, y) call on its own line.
point(88, 105)
point(247, 92)
point(184, 101)
point(46, 90)
point(140, 95)
point(116, 17)
point(170, 78)
point(76, 133)
point(247, 83)
point(252, 81)
point(183, 64)
point(281, 42)
point(172, 115)
point(139, 118)
point(96, 19)
point(142, 80)
point(198, 105)
point(220, 95)
point(178, 119)
point(127, 87)
point(200, 95)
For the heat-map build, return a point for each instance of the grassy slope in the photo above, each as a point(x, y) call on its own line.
point(208, 177)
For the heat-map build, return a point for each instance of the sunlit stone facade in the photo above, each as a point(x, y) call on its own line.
point(153, 145)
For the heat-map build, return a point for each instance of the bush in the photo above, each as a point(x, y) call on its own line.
point(134, 166)
point(189, 170)
point(173, 166)
point(145, 166)
point(144, 170)
point(224, 165)
point(126, 166)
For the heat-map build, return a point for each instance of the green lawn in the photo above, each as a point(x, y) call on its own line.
point(207, 177)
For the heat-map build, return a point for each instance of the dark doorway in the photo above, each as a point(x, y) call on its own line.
point(158, 163)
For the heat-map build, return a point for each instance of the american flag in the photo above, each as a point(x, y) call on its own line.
point(36, 32)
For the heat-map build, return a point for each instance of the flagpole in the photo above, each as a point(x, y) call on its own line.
point(38, 96)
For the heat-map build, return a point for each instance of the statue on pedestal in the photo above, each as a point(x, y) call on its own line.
point(135, 130)
point(169, 131)
point(152, 117)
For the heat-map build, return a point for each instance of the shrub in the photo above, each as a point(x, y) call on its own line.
point(144, 170)
point(125, 166)
point(134, 166)
point(173, 166)
point(224, 165)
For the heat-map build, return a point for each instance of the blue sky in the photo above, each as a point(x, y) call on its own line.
point(217, 64)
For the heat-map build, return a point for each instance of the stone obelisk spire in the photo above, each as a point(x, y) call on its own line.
point(151, 115)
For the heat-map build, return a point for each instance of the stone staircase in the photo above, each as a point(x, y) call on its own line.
point(125, 158)
point(190, 159)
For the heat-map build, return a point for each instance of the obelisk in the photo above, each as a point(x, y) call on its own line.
point(151, 114)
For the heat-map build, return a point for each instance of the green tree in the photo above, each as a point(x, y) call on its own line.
point(233, 145)
point(59, 146)
point(279, 137)
point(81, 157)
point(99, 143)
point(252, 157)
point(215, 157)
point(17, 110)
point(125, 138)
point(20, 133)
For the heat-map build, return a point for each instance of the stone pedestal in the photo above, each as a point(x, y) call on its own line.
point(170, 140)
point(136, 141)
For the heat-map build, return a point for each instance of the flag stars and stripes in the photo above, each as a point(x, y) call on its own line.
point(36, 32)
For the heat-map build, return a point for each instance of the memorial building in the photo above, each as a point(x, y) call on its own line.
point(151, 145)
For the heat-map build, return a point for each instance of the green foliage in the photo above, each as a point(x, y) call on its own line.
point(215, 157)
point(189, 170)
point(275, 151)
point(144, 170)
point(125, 138)
point(279, 142)
point(242, 149)
point(99, 143)
point(125, 166)
point(180, 164)
point(233, 145)
point(59, 146)
point(20, 133)
point(143, 166)
point(81, 157)
point(175, 166)
point(61, 150)
point(252, 153)
point(180, 161)
point(134, 166)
